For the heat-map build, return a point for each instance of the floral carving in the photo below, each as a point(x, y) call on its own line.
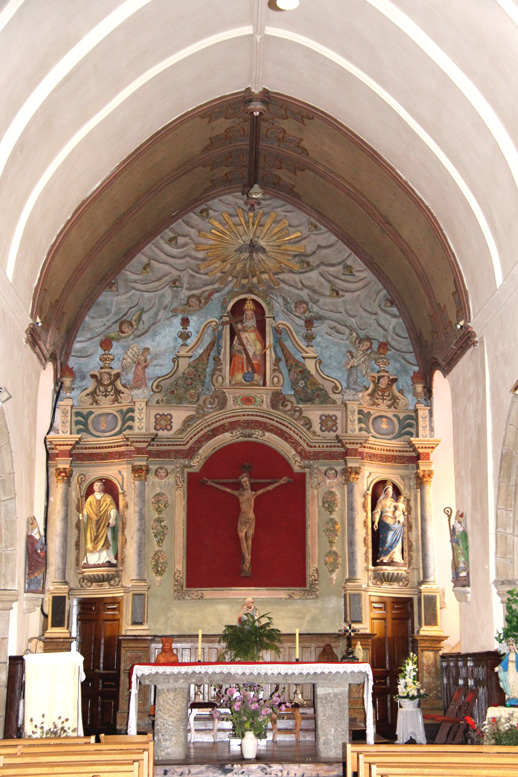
point(159, 502)
point(306, 388)
point(332, 529)
point(333, 561)
point(179, 590)
point(187, 387)
point(330, 501)
point(159, 529)
point(158, 565)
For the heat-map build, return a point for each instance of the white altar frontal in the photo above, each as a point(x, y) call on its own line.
point(331, 693)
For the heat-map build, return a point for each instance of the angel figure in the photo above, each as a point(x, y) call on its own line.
point(382, 392)
point(194, 303)
point(138, 361)
point(127, 327)
point(300, 309)
point(358, 361)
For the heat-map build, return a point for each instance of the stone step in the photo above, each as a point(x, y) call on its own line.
point(250, 768)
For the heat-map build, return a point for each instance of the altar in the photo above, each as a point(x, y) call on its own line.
point(331, 693)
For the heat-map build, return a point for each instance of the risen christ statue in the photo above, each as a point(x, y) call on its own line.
point(246, 520)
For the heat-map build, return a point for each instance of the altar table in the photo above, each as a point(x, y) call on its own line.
point(331, 683)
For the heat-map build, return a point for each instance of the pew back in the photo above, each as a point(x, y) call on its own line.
point(412, 760)
point(62, 757)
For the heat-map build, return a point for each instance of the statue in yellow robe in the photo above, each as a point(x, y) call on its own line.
point(100, 519)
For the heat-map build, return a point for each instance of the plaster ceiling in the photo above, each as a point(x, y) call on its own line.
point(295, 153)
point(388, 121)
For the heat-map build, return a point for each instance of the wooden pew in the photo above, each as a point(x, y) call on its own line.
point(410, 755)
point(10, 743)
point(91, 765)
point(131, 741)
point(444, 770)
point(445, 763)
point(128, 756)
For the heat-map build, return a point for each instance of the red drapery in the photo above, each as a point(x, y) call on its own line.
point(213, 553)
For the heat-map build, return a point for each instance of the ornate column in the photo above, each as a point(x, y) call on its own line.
point(58, 546)
point(57, 636)
point(140, 473)
point(137, 612)
point(424, 483)
point(424, 446)
point(60, 447)
point(352, 477)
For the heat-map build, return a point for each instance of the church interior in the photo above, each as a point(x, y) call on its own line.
point(258, 270)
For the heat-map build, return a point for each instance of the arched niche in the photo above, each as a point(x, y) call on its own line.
point(215, 517)
point(285, 545)
point(376, 493)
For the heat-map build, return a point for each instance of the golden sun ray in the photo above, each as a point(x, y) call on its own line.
point(248, 249)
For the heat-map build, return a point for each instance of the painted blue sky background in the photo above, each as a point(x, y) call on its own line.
point(338, 289)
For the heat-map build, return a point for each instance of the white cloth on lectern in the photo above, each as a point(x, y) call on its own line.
point(410, 726)
point(53, 689)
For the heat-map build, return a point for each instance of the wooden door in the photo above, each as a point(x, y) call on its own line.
point(392, 622)
point(98, 626)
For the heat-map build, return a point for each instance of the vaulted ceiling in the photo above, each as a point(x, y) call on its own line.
point(386, 121)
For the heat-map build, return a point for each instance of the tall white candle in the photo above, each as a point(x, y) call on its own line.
point(199, 645)
point(296, 643)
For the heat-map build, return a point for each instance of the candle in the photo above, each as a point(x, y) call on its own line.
point(199, 645)
point(296, 644)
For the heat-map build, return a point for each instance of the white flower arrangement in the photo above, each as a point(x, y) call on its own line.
point(408, 686)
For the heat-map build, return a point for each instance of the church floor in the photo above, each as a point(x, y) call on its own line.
point(274, 759)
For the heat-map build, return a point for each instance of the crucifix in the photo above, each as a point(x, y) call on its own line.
point(348, 632)
point(246, 519)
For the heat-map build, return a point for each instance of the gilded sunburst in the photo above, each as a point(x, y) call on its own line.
point(248, 252)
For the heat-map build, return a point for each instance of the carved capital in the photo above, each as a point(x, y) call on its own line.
point(352, 474)
point(424, 477)
point(140, 472)
point(63, 474)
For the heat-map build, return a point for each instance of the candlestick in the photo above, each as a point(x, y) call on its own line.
point(199, 645)
point(296, 644)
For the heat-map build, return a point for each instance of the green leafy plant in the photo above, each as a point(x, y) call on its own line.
point(510, 630)
point(247, 641)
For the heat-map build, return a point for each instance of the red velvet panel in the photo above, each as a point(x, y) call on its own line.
point(279, 544)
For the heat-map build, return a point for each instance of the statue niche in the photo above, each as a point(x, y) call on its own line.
point(98, 508)
point(388, 524)
point(247, 363)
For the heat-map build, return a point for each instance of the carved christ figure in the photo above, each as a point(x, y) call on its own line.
point(246, 520)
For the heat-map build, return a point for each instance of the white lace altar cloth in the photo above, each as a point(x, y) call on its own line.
point(332, 675)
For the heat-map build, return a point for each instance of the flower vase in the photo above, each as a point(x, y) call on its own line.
point(408, 704)
point(249, 745)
